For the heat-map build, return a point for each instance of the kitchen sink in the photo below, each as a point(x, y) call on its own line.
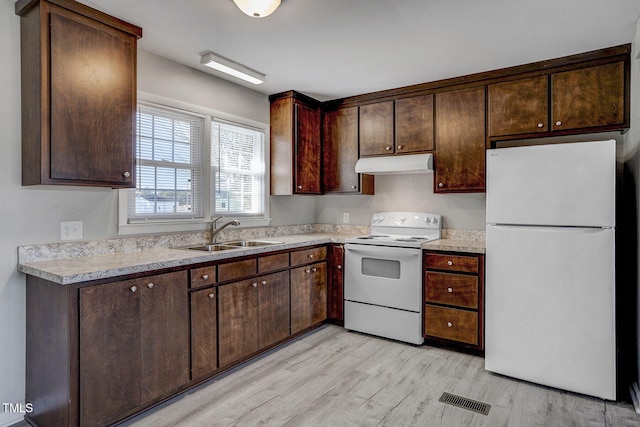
point(208, 248)
point(251, 243)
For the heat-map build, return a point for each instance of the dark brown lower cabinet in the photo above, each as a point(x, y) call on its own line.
point(253, 314)
point(204, 333)
point(134, 340)
point(308, 296)
point(335, 286)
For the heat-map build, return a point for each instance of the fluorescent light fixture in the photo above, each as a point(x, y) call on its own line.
point(257, 8)
point(232, 68)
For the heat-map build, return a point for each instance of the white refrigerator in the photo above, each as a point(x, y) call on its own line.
point(550, 288)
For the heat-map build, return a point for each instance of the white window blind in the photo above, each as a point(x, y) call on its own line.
point(237, 170)
point(169, 174)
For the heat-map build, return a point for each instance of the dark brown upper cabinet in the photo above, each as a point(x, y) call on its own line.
point(590, 97)
point(460, 140)
point(414, 124)
point(78, 95)
point(376, 129)
point(340, 154)
point(295, 144)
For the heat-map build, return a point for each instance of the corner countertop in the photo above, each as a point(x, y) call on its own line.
point(68, 263)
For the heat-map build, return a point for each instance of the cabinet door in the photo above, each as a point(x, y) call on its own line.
point(414, 124)
point(335, 286)
point(460, 141)
point(519, 106)
point(340, 154)
point(110, 351)
point(273, 308)
point(588, 97)
point(308, 296)
point(204, 333)
point(165, 334)
point(376, 129)
point(93, 99)
point(307, 146)
point(237, 321)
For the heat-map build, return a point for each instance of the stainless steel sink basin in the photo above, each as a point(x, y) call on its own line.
point(250, 243)
point(208, 248)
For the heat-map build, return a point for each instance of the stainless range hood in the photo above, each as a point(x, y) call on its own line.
point(394, 165)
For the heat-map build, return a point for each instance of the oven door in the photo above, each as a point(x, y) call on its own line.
point(383, 276)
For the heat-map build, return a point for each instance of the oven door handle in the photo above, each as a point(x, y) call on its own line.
point(386, 250)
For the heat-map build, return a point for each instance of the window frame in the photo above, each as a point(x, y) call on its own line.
point(196, 224)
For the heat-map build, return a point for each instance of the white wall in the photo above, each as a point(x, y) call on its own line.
point(405, 193)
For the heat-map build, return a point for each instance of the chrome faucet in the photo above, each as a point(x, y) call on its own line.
point(215, 231)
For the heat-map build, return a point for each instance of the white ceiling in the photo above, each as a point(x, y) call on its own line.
point(336, 48)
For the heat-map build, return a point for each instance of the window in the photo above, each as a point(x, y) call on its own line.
point(237, 163)
point(192, 165)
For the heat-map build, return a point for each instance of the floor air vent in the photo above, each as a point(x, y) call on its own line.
point(463, 402)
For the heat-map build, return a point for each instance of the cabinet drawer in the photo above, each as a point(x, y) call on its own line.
point(203, 276)
point(237, 269)
point(451, 289)
point(466, 264)
point(451, 324)
point(273, 262)
point(307, 256)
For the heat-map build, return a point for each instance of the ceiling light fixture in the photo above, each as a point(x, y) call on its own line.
point(257, 8)
point(232, 68)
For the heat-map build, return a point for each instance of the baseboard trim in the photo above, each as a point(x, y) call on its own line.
point(634, 390)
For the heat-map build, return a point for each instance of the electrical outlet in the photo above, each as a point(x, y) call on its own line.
point(70, 230)
point(345, 217)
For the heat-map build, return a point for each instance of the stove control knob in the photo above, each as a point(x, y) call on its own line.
point(381, 218)
point(403, 219)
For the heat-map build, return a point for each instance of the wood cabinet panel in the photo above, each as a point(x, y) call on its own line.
point(461, 263)
point(335, 286)
point(414, 124)
point(203, 276)
point(308, 296)
point(588, 97)
point(282, 146)
point(451, 289)
point(204, 333)
point(307, 256)
point(376, 129)
point(273, 262)
point(307, 149)
point(273, 308)
point(78, 96)
point(460, 140)
point(237, 269)
point(340, 153)
point(519, 106)
point(452, 324)
point(111, 348)
point(237, 321)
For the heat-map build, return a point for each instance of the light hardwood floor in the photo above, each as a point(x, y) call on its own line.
point(332, 377)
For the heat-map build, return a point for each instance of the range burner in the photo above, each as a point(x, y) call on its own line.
point(402, 229)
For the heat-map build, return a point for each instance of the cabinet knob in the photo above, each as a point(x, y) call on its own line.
point(126, 174)
point(449, 262)
point(387, 148)
point(354, 186)
point(307, 271)
point(150, 285)
point(449, 290)
point(299, 187)
point(264, 282)
point(314, 269)
point(449, 324)
point(255, 285)
point(133, 288)
point(540, 125)
point(339, 267)
point(212, 295)
point(399, 147)
point(205, 276)
point(558, 123)
point(311, 256)
point(440, 184)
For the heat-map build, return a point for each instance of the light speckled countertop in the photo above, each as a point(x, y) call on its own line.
point(76, 262)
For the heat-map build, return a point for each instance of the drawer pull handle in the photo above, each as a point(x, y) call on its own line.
point(255, 285)
point(126, 174)
point(354, 186)
point(212, 295)
point(314, 269)
point(449, 290)
point(558, 123)
point(205, 276)
point(150, 285)
point(339, 267)
point(299, 187)
point(387, 148)
point(540, 125)
point(133, 288)
point(264, 282)
point(449, 324)
point(311, 256)
point(307, 271)
point(449, 262)
point(399, 147)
